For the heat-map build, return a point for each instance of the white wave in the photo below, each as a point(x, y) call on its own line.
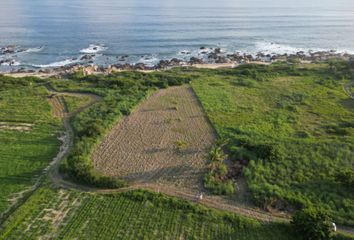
point(184, 52)
point(35, 49)
point(205, 51)
point(58, 64)
point(347, 51)
point(275, 48)
point(10, 63)
point(94, 48)
point(149, 61)
point(16, 63)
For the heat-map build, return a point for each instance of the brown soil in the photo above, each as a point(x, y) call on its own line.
point(167, 103)
point(164, 140)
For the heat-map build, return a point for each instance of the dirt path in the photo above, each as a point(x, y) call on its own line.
point(59, 110)
point(67, 138)
point(153, 182)
point(347, 90)
point(156, 186)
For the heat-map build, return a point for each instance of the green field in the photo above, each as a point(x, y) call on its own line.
point(59, 214)
point(295, 127)
point(27, 150)
point(73, 103)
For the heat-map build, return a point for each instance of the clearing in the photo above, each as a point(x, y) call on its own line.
point(163, 141)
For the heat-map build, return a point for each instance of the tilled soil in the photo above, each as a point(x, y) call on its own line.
point(165, 140)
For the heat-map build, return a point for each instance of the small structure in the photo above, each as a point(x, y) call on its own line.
point(200, 197)
point(334, 227)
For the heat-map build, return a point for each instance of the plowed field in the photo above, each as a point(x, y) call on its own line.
point(165, 140)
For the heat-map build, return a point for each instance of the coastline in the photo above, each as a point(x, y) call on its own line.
point(215, 59)
point(92, 70)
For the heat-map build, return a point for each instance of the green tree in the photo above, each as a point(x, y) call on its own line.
point(312, 224)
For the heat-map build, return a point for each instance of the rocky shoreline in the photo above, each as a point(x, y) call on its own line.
point(212, 57)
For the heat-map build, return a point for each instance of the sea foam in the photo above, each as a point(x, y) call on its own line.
point(58, 64)
point(94, 48)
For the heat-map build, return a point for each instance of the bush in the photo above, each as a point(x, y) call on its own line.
point(346, 177)
point(216, 180)
point(215, 186)
point(312, 224)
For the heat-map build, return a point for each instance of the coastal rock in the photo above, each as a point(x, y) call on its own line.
point(163, 64)
point(122, 58)
point(169, 63)
point(139, 66)
point(7, 62)
point(175, 61)
point(87, 57)
point(8, 49)
point(222, 59)
point(46, 71)
point(185, 52)
point(212, 56)
point(194, 60)
point(125, 66)
point(217, 50)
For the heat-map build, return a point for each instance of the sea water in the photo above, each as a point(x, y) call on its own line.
point(50, 33)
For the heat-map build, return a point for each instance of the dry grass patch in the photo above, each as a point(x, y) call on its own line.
point(164, 140)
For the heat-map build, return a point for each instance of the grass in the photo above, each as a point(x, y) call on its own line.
point(23, 154)
point(120, 93)
point(295, 128)
point(292, 124)
point(131, 215)
point(73, 103)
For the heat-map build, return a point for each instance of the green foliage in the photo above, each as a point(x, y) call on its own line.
point(346, 177)
point(216, 186)
point(294, 127)
point(216, 180)
point(120, 93)
point(73, 103)
point(311, 224)
point(24, 153)
point(181, 145)
point(131, 215)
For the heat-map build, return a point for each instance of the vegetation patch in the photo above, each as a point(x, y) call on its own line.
point(28, 136)
point(120, 93)
point(291, 128)
point(217, 180)
point(131, 215)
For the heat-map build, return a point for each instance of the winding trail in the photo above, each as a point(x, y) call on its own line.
point(208, 200)
point(60, 110)
point(347, 89)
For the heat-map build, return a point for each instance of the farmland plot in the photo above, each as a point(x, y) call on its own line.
point(28, 140)
point(64, 214)
point(163, 141)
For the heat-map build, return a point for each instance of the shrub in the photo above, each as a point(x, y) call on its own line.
point(215, 186)
point(312, 224)
point(346, 177)
point(216, 180)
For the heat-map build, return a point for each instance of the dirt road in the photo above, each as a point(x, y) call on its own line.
point(156, 186)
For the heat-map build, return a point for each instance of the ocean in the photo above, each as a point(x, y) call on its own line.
point(52, 33)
